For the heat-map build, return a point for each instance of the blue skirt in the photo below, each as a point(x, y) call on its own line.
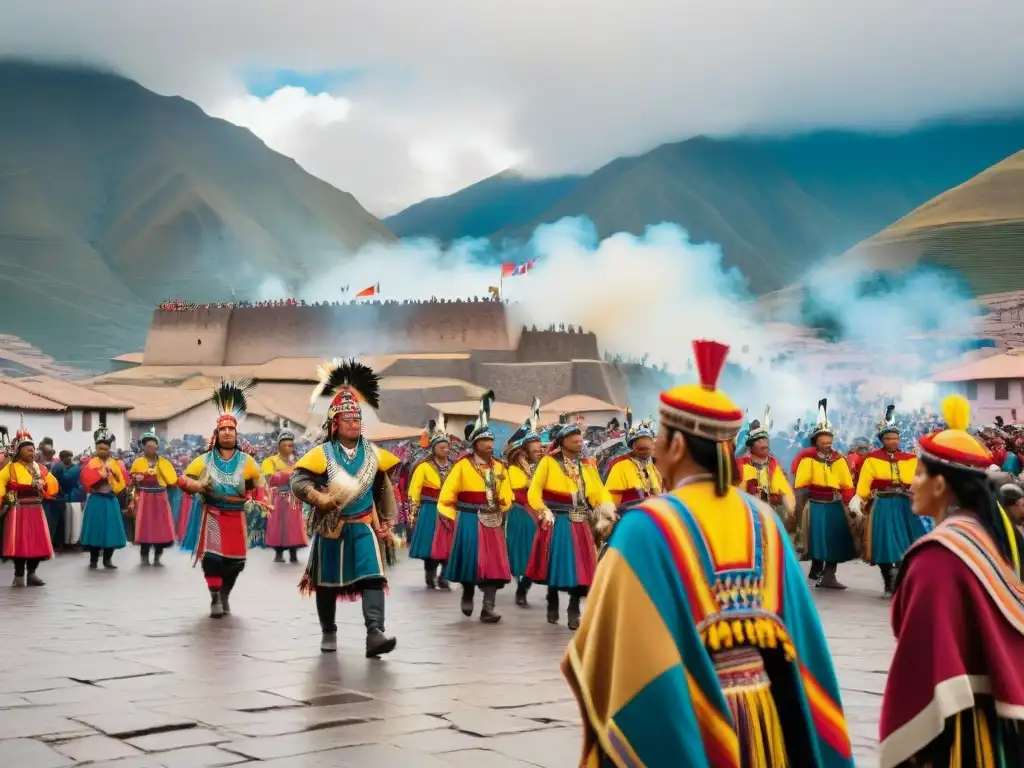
point(520, 531)
point(423, 535)
point(892, 528)
point(102, 523)
point(352, 557)
point(829, 538)
point(462, 562)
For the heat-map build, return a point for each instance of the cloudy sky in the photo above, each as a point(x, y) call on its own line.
point(397, 100)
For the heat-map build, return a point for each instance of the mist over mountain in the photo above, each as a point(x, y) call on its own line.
point(113, 198)
point(776, 205)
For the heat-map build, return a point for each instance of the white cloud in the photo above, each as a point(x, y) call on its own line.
point(462, 86)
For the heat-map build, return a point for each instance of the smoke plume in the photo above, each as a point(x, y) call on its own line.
point(647, 296)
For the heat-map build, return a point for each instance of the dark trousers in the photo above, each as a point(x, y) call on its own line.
point(372, 595)
point(221, 572)
point(158, 548)
point(94, 554)
point(22, 564)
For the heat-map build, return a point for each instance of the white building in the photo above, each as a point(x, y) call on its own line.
point(62, 410)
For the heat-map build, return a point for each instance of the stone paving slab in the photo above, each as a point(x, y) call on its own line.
point(126, 670)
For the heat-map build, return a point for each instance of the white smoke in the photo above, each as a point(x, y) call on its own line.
point(649, 296)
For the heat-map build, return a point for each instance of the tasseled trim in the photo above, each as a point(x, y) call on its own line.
point(725, 633)
point(755, 717)
point(350, 593)
point(975, 738)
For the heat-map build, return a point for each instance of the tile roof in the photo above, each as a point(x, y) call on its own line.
point(68, 393)
point(15, 399)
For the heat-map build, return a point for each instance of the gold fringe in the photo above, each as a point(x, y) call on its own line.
point(754, 711)
point(727, 633)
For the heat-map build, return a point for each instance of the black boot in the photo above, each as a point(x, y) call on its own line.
point(293, 555)
point(278, 555)
point(216, 609)
point(430, 573)
point(552, 606)
point(144, 554)
point(442, 582)
point(94, 558)
point(888, 577)
point(521, 590)
point(377, 643)
point(108, 560)
point(32, 580)
point(828, 578)
point(573, 612)
point(487, 613)
point(817, 566)
point(468, 591)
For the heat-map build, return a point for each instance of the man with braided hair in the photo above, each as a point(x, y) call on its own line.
point(345, 480)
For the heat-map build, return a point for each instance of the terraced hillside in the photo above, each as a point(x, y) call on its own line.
point(976, 229)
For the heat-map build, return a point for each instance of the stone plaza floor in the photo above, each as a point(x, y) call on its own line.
point(125, 670)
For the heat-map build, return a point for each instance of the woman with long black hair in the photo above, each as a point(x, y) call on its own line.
point(955, 691)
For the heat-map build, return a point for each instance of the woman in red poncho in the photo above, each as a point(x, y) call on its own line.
point(955, 691)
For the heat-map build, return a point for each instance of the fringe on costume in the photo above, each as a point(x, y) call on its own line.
point(190, 541)
point(748, 694)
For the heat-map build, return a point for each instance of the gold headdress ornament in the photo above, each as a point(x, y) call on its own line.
point(348, 383)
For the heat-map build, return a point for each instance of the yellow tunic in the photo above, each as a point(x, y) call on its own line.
point(466, 481)
point(753, 478)
point(250, 469)
point(274, 464)
point(425, 476)
point(519, 480)
point(17, 472)
point(315, 460)
point(550, 484)
point(877, 473)
point(117, 482)
point(627, 484)
point(165, 473)
point(822, 481)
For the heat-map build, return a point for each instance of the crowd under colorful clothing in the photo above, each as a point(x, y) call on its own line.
point(152, 478)
point(345, 480)
point(823, 484)
point(883, 494)
point(286, 527)
point(521, 522)
point(701, 645)
point(432, 534)
point(476, 495)
point(103, 528)
point(954, 695)
point(223, 481)
point(569, 496)
point(24, 485)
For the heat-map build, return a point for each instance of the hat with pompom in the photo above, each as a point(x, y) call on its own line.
point(955, 446)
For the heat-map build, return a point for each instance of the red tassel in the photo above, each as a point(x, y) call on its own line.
point(710, 358)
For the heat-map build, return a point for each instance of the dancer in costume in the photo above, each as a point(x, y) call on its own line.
point(286, 528)
point(632, 477)
point(954, 695)
point(701, 646)
point(103, 529)
point(883, 496)
point(823, 484)
point(567, 492)
point(345, 480)
point(152, 475)
point(762, 476)
point(24, 484)
point(432, 534)
point(476, 496)
point(522, 452)
point(224, 482)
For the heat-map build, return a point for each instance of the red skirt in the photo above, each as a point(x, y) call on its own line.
point(564, 555)
point(223, 534)
point(184, 512)
point(26, 534)
point(285, 527)
point(154, 523)
point(444, 531)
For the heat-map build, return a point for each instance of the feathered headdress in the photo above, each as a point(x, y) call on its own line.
point(436, 432)
point(528, 431)
point(760, 430)
point(348, 383)
point(888, 426)
point(230, 399)
point(102, 435)
point(823, 425)
point(21, 438)
point(148, 435)
point(482, 427)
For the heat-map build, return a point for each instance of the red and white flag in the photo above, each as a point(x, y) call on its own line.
point(373, 290)
point(513, 270)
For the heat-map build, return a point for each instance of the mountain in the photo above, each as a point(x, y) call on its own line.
point(976, 229)
point(776, 205)
point(113, 198)
point(502, 201)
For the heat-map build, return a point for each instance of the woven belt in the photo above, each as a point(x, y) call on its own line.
point(488, 517)
point(575, 514)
